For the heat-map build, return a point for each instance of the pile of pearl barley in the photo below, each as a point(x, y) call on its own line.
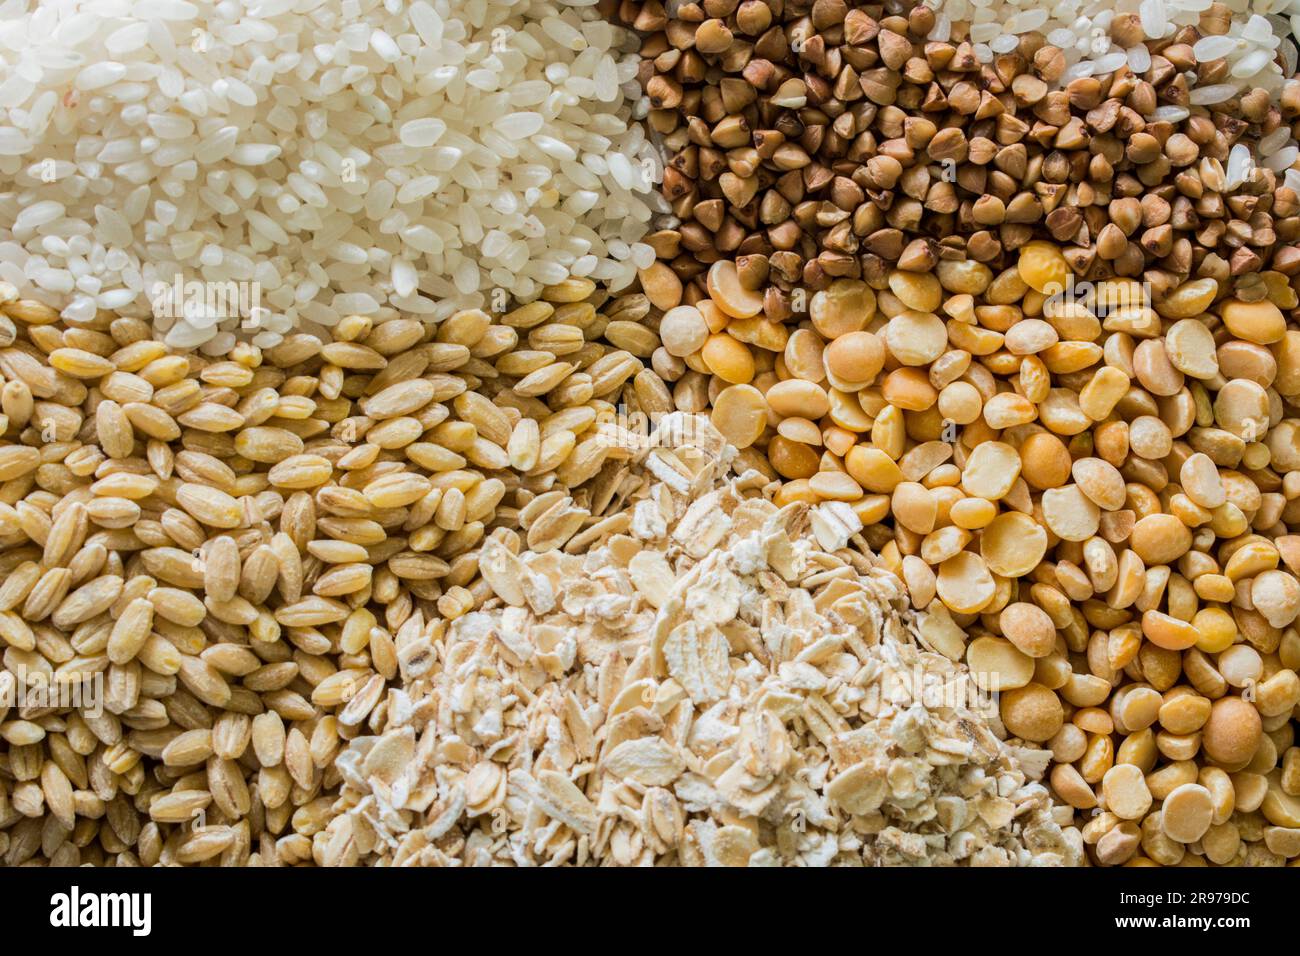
point(213, 569)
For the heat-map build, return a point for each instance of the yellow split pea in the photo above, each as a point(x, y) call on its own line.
point(1013, 544)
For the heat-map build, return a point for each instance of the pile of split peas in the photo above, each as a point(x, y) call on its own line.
point(1089, 501)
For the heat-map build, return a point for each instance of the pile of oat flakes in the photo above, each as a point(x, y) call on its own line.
point(717, 681)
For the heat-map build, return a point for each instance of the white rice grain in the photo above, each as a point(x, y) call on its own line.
point(359, 158)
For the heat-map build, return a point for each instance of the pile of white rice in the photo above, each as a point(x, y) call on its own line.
point(1261, 30)
point(249, 167)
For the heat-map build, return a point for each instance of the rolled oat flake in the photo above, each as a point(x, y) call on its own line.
point(716, 681)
